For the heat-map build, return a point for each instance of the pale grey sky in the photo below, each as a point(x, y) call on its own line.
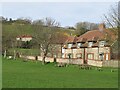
point(67, 13)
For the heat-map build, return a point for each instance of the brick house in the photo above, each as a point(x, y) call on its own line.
point(92, 46)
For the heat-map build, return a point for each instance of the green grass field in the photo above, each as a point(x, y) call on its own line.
point(25, 51)
point(19, 74)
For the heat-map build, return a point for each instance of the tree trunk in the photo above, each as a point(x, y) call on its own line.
point(5, 54)
point(44, 56)
point(43, 60)
point(14, 57)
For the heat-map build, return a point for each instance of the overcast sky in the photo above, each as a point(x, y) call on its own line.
point(67, 13)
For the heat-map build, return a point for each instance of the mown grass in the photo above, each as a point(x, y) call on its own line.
point(31, 74)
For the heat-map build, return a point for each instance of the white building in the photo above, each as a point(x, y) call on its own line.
point(24, 38)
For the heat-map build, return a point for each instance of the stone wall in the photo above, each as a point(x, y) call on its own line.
point(110, 63)
point(39, 58)
point(76, 61)
point(62, 60)
point(47, 59)
point(30, 57)
point(105, 63)
point(95, 63)
point(71, 61)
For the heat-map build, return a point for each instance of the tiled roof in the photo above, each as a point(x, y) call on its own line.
point(24, 36)
point(72, 39)
point(60, 40)
point(92, 35)
point(81, 39)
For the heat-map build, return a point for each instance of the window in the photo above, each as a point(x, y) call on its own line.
point(90, 44)
point(79, 44)
point(69, 45)
point(102, 43)
point(79, 55)
point(90, 56)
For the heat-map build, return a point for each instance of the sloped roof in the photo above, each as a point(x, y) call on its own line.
point(59, 40)
point(81, 39)
point(24, 36)
point(72, 39)
point(93, 35)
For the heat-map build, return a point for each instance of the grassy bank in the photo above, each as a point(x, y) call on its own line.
point(25, 51)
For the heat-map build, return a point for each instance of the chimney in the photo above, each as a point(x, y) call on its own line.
point(101, 27)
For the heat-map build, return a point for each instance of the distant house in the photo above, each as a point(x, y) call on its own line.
point(91, 46)
point(24, 38)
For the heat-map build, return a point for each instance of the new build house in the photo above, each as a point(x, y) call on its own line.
point(92, 46)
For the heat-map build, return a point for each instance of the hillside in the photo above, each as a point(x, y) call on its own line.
point(18, 29)
point(11, 31)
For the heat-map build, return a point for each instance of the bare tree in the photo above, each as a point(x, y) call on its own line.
point(8, 41)
point(50, 22)
point(44, 35)
point(58, 39)
point(111, 18)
